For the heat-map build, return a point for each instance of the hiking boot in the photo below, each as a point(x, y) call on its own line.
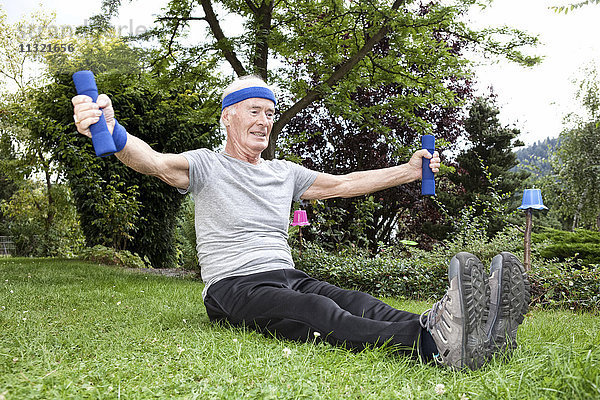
point(509, 302)
point(457, 321)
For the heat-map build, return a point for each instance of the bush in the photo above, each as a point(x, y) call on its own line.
point(39, 227)
point(581, 245)
point(566, 285)
point(423, 276)
point(185, 236)
point(105, 255)
point(379, 276)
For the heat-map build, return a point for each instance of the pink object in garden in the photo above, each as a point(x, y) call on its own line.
point(300, 218)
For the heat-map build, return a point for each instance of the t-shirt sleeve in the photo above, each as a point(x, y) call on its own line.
point(303, 178)
point(200, 162)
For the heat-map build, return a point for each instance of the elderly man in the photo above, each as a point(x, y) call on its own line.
point(242, 206)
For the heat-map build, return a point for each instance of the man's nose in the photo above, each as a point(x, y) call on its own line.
point(262, 118)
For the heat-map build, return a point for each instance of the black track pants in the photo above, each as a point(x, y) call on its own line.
point(291, 305)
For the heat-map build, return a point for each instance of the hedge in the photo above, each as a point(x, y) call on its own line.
point(555, 284)
point(583, 245)
point(378, 276)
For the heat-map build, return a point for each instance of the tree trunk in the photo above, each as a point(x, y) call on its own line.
point(577, 215)
point(222, 42)
point(50, 212)
point(260, 56)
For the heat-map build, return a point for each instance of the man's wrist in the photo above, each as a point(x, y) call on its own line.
point(411, 174)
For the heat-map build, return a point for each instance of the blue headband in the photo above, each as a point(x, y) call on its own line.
point(248, 93)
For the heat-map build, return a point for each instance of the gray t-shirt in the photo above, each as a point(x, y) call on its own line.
point(242, 212)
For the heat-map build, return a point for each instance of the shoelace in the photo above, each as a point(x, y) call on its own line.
point(431, 314)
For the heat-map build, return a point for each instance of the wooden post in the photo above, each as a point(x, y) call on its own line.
point(527, 241)
point(300, 234)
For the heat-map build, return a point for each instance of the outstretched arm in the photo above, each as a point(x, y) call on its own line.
point(364, 182)
point(137, 154)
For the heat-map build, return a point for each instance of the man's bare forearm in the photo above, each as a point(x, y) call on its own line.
point(354, 184)
point(170, 168)
point(138, 155)
point(366, 182)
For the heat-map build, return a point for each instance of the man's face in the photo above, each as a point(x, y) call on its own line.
point(251, 123)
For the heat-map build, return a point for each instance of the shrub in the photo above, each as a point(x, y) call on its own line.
point(424, 276)
point(379, 276)
point(185, 236)
point(581, 245)
point(105, 255)
point(566, 285)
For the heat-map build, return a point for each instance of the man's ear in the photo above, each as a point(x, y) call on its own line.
point(225, 117)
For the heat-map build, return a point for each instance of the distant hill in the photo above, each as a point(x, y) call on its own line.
point(535, 158)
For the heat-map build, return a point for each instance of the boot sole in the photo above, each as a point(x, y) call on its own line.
point(513, 294)
point(474, 294)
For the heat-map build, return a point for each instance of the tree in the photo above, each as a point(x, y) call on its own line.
point(119, 207)
point(484, 173)
point(334, 145)
point(170, 119)
point(572, 189)
point(19, 68)
point(34, 233)
point(577, 187)
point(22, 156)
point(327, 50)
point(330, 56)
point(7, 183)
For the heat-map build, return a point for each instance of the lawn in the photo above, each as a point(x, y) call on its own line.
point(70, 329)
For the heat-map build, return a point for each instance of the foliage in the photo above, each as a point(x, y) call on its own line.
point(378, 276)
point(27, 220)
point(337, 145)
point(185, 236)
point(568, 285)
point(536, 157)
point(581, 245)
point(483, 172)
point(328, 50)
point(335, 228)
point(573, 6)
point(8, 186)
point(424, 276)
point(409, 272)
point(118, 214)
point(24, 160)
point(576, 187)
point(20, 69)
point(166, 110)
point(109, 256)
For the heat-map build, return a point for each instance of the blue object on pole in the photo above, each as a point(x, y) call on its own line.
point(532, 198)
point(85, 83)
point(428, 178)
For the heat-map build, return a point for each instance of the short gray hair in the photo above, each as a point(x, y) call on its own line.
point(243, 82)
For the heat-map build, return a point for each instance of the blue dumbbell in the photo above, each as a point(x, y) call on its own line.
point(101, 137)
point(428, 179)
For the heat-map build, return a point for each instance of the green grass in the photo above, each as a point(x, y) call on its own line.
point(77, 330)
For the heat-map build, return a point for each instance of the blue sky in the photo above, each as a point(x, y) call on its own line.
point(534, 99)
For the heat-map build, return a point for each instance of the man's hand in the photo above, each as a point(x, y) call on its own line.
point(415, 162)
point(86, 113)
